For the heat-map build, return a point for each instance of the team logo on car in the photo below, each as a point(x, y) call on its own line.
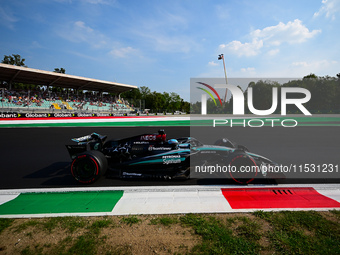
point(148, 138)
point(173, 159)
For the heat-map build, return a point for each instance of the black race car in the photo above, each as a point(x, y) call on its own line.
point(153, 156)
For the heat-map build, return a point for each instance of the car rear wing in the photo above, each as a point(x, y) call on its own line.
point(90, 138)
point(74, 150)
point(93, 141)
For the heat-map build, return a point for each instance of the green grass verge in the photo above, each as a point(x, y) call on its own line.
point(130, 220)
point(165, 221)
point(5, 223)
point(220, 238)
point(301, 232)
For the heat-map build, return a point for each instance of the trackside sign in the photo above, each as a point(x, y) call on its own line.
point(34, 115)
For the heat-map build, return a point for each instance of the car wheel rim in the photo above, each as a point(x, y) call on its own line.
point(85, 169)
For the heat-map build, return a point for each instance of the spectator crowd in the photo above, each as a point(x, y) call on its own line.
point(53, 100)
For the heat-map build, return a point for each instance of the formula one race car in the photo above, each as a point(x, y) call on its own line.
point(153, 156)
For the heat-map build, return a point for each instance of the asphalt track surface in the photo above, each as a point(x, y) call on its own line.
point(37, 157)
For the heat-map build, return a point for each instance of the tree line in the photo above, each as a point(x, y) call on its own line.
point(156, 101)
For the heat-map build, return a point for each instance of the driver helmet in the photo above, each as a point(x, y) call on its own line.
point(173, 142)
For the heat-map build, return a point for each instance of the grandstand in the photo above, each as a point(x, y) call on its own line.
point(95, 98)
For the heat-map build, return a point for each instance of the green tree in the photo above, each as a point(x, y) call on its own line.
point(175, 102)
point(15, 60)
point(262, 94)
point(133, 94)
point(156, 101)
point(185, 106)
point(59, 70)
point(167, 99)
point(310, 76)
point(144, 91)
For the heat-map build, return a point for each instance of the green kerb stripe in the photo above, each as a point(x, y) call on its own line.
point(104, 124)
point(62, 202)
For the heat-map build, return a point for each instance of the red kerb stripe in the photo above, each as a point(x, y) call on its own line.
point(262, 198)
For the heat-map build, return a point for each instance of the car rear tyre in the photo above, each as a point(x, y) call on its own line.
point(89, 166)
point(243, 168)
